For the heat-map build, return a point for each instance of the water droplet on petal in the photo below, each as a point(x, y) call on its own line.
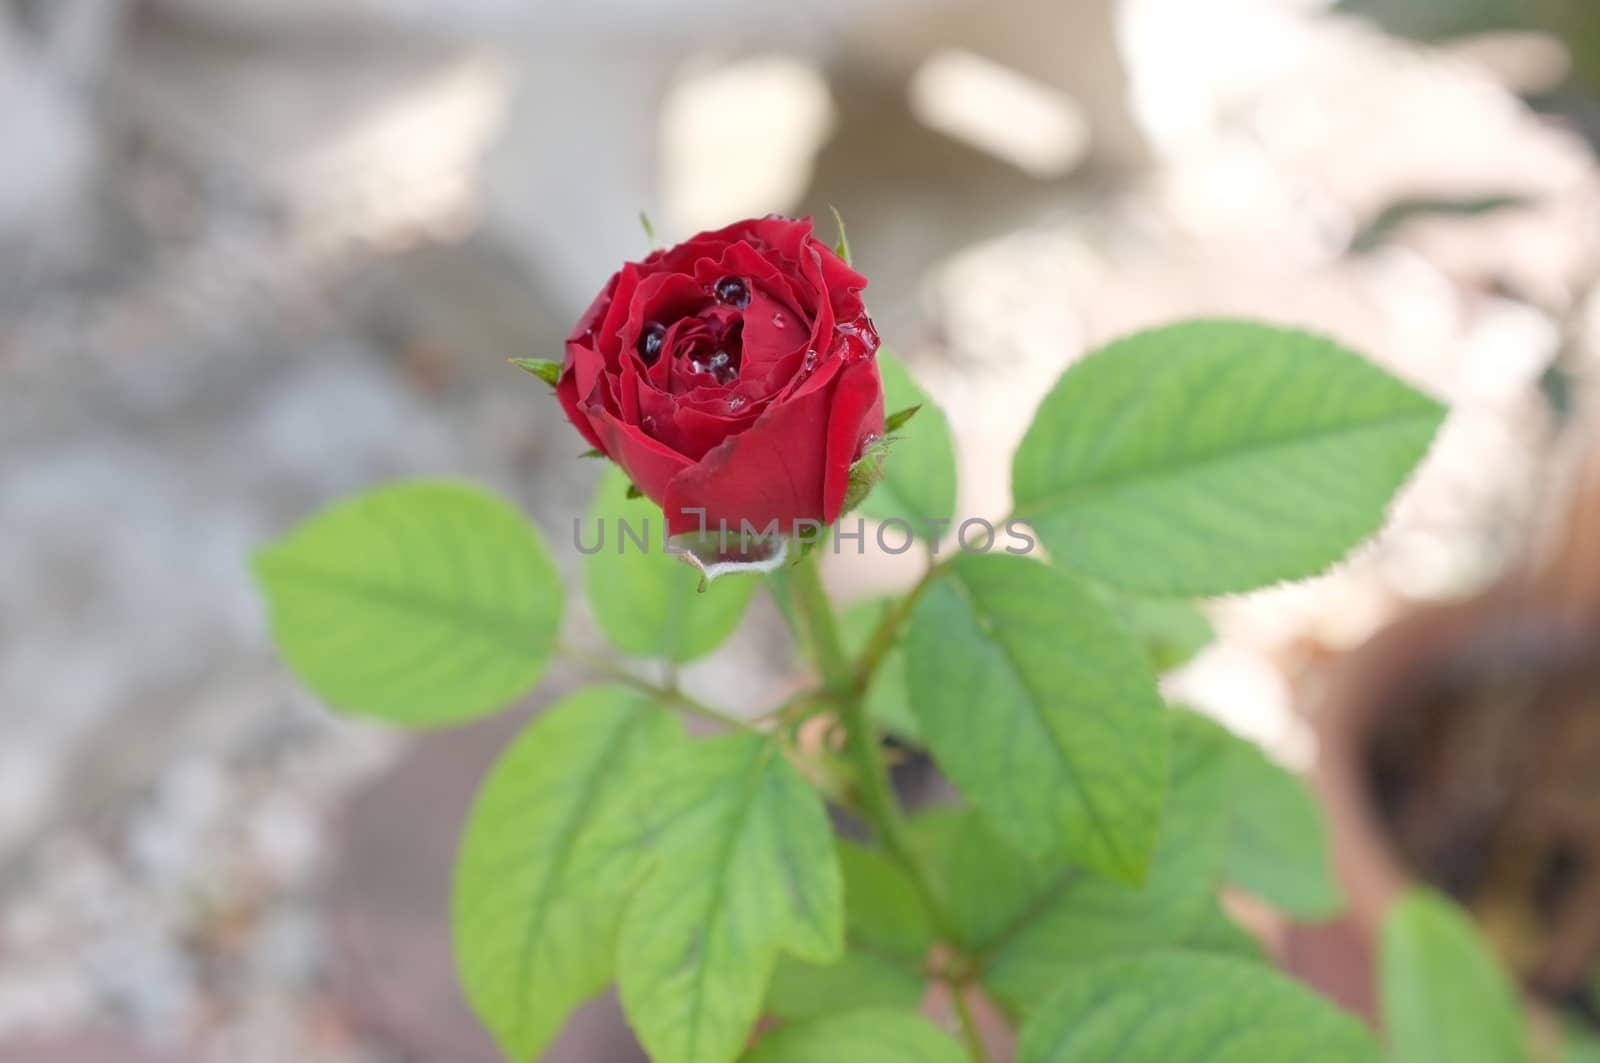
point(648, 423)
point(720, 367)
point(650, 341)
point(811, 360)
point(733, 291)
point(735, 403)
point(778, 319)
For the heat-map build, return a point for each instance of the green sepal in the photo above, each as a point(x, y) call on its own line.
point(842, 248)
point(543, 368)
point(896, 421)
point(866, 472)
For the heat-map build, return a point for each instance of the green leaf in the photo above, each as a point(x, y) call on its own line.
point(783, 597)
point(842, 247)
point(1445, 997)
point(646, 600)
point(883, 911)
point(1578, 1045)
point(1217, 456)
point(1381, 229)
point(919, 479)
point(1172, 631)
point(744, 869)
point(421, 603)
point(887, 697)
point(1087, 917)
point(889, 939)
point(534, 929)
point(988, 888)
point(1041, 709)
point(545, 370)
point(859, 1037)
point(1441, 19)
point(859, 979)
point(1278, 848)
point(1095, 919)
point(1174, 1007)
point(1216, 932)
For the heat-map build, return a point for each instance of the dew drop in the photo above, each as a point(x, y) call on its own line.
point(733, 291)
point(778, 319)
point(811, 360)
point(648, 423)
point(650, 341)
point(723, 369)
point(735, 403)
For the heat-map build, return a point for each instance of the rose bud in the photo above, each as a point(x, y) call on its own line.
point(733, 377)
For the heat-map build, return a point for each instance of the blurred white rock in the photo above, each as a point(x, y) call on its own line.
point(47, 131)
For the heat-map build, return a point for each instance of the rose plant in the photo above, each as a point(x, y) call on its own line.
point(735, 382)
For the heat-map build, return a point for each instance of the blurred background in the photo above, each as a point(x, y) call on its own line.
point(255, 254)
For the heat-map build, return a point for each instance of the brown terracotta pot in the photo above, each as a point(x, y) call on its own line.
point(1543, 619)
point(1338, 957)
point(1397, 672)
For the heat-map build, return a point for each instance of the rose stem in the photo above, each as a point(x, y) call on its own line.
point(670, 695)
point(861, 740)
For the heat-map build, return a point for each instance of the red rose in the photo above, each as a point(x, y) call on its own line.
point(733, 373)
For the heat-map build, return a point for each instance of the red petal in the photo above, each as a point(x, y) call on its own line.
point(840, 282)
point(567, 392)
point(606, 338)
point(650, 464)
point(583, 331)
point(587, 367)
point(772, 471)
point(664, 298)
point(857, 415)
